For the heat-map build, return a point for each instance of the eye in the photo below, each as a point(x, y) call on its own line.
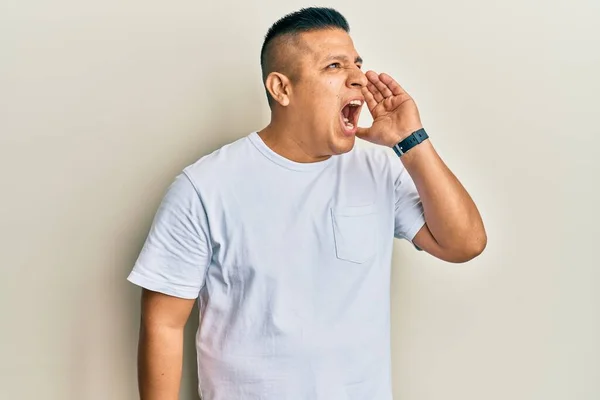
point(359, 66)
point(334, 65)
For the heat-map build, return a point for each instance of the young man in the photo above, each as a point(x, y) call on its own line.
point(286, 234)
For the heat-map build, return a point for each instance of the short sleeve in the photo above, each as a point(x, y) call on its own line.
point(408, 209)
point(177, 251)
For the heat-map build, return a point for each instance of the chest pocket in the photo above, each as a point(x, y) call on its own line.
point(355, 232)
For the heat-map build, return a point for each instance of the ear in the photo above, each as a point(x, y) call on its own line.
point(279, 87)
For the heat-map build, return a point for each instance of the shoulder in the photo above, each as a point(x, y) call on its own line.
point(218, 164)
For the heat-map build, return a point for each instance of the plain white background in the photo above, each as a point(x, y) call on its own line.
point(102, 103)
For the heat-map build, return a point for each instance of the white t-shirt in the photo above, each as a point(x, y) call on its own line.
point(291, 263)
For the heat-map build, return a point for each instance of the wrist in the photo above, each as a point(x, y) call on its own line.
point(417, 154)
point(399, 136)
point(409, 142)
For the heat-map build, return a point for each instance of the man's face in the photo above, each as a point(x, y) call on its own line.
point(326, 99)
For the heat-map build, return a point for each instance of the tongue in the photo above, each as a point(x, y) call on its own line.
point(346, 111)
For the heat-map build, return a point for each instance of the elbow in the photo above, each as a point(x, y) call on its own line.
point(467, 249)
point(475, 250)
point(471, 249)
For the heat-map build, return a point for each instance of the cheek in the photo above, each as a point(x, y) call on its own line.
point(324, 99)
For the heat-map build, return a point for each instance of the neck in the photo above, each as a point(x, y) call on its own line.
point(290, 140)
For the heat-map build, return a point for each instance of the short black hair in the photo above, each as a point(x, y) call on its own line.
point(303, 20)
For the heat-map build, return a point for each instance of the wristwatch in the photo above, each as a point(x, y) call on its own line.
point(408, 143)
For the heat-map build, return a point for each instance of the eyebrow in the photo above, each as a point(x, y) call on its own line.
point(358, 59)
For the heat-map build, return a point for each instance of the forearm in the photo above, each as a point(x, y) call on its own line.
point(450, 213)
point(160, 358)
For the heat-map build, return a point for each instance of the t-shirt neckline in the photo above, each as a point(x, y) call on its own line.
point(285, 162)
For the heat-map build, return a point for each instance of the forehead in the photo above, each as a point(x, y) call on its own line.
point(320, 44)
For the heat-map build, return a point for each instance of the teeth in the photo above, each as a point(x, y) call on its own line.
point(354, 103)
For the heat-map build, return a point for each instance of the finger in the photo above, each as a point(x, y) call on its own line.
point(392, 85)
point(373, 77)
point(397, 101)
point(370, 74)
point(375, 92)
point(382, 87)
point(369, 99)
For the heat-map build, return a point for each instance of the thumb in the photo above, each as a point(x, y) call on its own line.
point(362, 132)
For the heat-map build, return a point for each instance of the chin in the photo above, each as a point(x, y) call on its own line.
point(343, 145)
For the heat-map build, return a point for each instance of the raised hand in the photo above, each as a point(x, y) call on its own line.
point(395, 114)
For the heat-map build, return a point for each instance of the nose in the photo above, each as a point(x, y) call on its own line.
point(357, 79)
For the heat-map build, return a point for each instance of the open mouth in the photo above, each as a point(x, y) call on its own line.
point(350, 114)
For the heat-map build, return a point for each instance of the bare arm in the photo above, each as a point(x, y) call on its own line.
point(160, 349)
point(454, 230)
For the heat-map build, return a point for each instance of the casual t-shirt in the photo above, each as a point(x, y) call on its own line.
point(291, 264)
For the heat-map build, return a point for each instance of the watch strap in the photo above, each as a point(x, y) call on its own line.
point(411, 141)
